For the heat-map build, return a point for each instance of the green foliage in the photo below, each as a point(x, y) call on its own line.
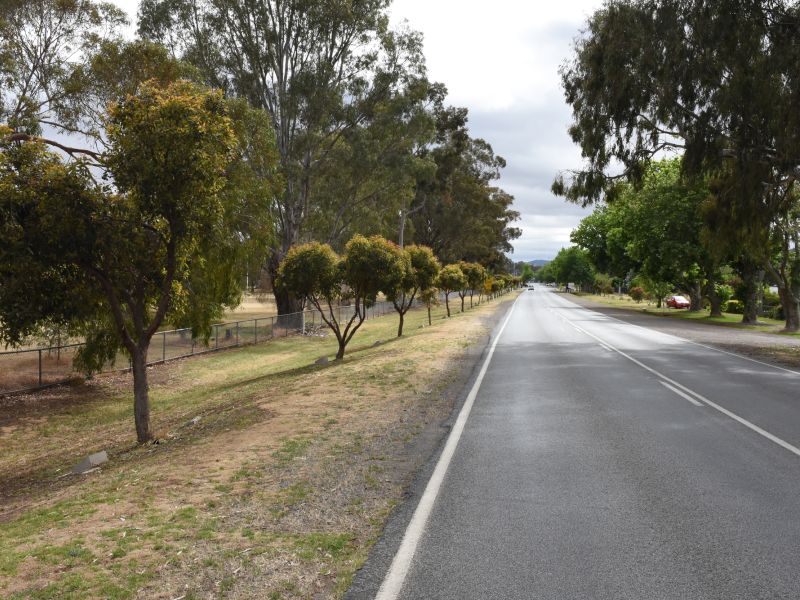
point(527, 273)
point(603, 283)
point(461, 213)
point(735, 307)
point(723, 91)
point(636, 293)
point(724, 293)
point(349, 115)
point(125, 259)
point(451, 278)
point(372, 265)
point(572, 265)
point(44, 47)
point(420, 269)
point(311, 272)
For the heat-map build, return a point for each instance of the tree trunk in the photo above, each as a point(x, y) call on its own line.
point(752, 279)
point(462, 303)
point(400, 326)
point(429, 315)
point(791, 309)
point(401, 234)
point(141, 396)
point(714, 299)
point(447, 303)
point(285, 302)
point(470, 300)
point(696, 296)
point(340, 352)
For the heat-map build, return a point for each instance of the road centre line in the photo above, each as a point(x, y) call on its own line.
point(677, 337)
point(773, 438)
point(401, 564)
point(681, 394)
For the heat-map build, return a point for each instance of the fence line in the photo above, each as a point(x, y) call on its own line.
point(35, 368)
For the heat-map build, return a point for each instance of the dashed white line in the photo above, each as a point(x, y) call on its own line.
point(771, 437)
point(393, 582)
point(681, 394)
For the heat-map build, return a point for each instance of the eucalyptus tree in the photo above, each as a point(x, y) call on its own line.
point(120, 261)
point(44, 48)
point(465, 216)
point(715, 81)
point(324, 71)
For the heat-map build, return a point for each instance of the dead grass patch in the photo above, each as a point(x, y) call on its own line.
point(278, 490)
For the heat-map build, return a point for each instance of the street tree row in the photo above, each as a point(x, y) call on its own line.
point(318, 276)
point(717, 86)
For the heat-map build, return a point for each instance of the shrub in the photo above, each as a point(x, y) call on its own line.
point(735, 307)
point(636, 293)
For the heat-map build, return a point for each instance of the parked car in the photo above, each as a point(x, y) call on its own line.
point(530, 286)
point(678, 302)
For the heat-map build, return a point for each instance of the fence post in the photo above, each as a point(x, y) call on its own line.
point(237, 333)
point(255, 329)
point(40, 367)
point(163, 346)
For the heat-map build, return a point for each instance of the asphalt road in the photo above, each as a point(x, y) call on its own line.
point(604, 460)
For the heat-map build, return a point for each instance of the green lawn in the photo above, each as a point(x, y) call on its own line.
point(727, 319)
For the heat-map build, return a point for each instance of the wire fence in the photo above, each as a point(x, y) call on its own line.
point(34, 368)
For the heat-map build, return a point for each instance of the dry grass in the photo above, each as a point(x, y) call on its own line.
point(278, 491)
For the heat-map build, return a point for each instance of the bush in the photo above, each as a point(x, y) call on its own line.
point(724, 292)
point(735, 307)
point(776, 312)
point(636, 293)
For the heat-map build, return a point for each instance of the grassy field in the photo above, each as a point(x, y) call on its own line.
point(727, 319)
point(272, 478)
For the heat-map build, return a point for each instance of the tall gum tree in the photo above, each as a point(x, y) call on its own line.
point(322, 70)
point(715, 81)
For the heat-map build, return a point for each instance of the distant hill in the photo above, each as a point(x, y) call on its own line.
point(538, 262)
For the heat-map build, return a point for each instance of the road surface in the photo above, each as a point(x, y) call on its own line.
point(599, 460)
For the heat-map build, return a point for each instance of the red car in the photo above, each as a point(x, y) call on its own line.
point(678, 302)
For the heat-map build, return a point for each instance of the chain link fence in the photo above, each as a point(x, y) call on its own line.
point(31, 369)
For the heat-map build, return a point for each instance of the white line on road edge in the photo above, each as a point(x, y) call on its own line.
point(681, 394)
point(724, 411)
point(392, 584)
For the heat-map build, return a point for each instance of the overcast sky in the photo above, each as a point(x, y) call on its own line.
point(500, 59)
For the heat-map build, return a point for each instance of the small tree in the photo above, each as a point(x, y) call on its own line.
point(450, 279)
point(419, 275)
point(313, 272)
point(430, 297)
point(603, 284)
point(475, 275)
point(636, 293)
point(527, 273)
point(122, 261)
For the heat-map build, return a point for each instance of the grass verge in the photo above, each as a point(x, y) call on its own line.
point(272, 479)
point(727, 319)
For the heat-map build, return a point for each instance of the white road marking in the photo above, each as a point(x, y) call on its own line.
point(773, 438)
point(681, 394)
point(401, 564)
point(677, 337)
